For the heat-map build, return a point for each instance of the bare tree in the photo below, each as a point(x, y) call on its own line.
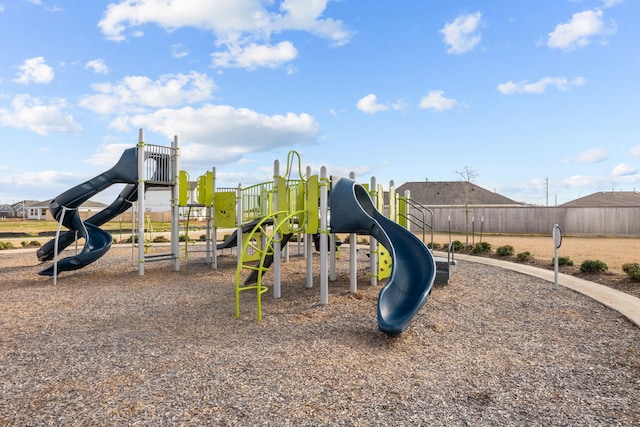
point(468, 176)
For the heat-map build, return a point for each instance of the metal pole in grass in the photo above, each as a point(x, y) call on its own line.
point(557, 240)
point(473, 231)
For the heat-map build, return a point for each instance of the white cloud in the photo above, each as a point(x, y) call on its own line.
point(578, 31)
point(179, 51)
point(369, 104)
point(623, 169)
point(610, 3)
point(586, 184)
point(253, 56)
point(32, 114)
point(137, 93)
point(221, 132)
point(108, 155)
point(36, 185)
point(435, 100)
point(524, 86)
point(49, 176)
point(243, 28)
point(461, 35)
point(305, 15)
point(635, 151)
point(34, 70)
point(98, 66)
point(399, 105)
point(582, 181)
point(593, 155)
point(19, 184)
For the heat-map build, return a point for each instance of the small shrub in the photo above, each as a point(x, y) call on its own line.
point(31, 244)
point(563, 260)
point(203, 237)
point(434, 245)
point(593, 266)
point(524, 256)
point(458, 245)
point(160, 239)
point(6, 245)
point(481, 247)
point(632, 270)
point(506, 250)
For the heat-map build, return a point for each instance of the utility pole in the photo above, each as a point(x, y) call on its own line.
point(547, 189)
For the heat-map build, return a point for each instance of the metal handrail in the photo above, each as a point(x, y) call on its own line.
point(420, 222)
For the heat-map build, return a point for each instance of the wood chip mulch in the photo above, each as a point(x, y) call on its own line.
point(493, 347)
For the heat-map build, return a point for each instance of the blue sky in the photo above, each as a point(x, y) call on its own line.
point(524, 93)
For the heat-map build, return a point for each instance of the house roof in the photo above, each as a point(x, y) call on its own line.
point(448, 193)
point(45, 204)
point(603, 199)
point(92, 204)
point(36, 204)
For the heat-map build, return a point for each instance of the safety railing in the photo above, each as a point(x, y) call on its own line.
point(417, 215)
point(159, 164)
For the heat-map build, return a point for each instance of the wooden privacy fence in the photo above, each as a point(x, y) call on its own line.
point(539, 220)
point(622, 221)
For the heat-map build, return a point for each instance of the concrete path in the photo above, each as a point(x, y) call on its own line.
point(627, 305)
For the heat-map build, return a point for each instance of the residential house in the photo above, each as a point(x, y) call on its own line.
point(606, 199)
point(453, 193)
point(36, 210)
point(40, 210)
point(6, 211)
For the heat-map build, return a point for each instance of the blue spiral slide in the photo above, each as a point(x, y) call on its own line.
point(97, 241)
point(413, 269)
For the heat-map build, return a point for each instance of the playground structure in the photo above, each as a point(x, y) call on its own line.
point(140, 167)
point(265, 217)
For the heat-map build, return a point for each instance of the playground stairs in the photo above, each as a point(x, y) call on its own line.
point(443, 266)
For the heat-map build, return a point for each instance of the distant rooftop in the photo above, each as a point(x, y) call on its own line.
point(452, 193)
point(602, 199)
point(89, 204)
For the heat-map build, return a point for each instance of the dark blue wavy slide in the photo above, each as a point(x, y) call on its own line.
point(97, 241)
point(122, 203)
point(413, 269)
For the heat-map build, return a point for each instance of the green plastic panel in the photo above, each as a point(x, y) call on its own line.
point(225, 209)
